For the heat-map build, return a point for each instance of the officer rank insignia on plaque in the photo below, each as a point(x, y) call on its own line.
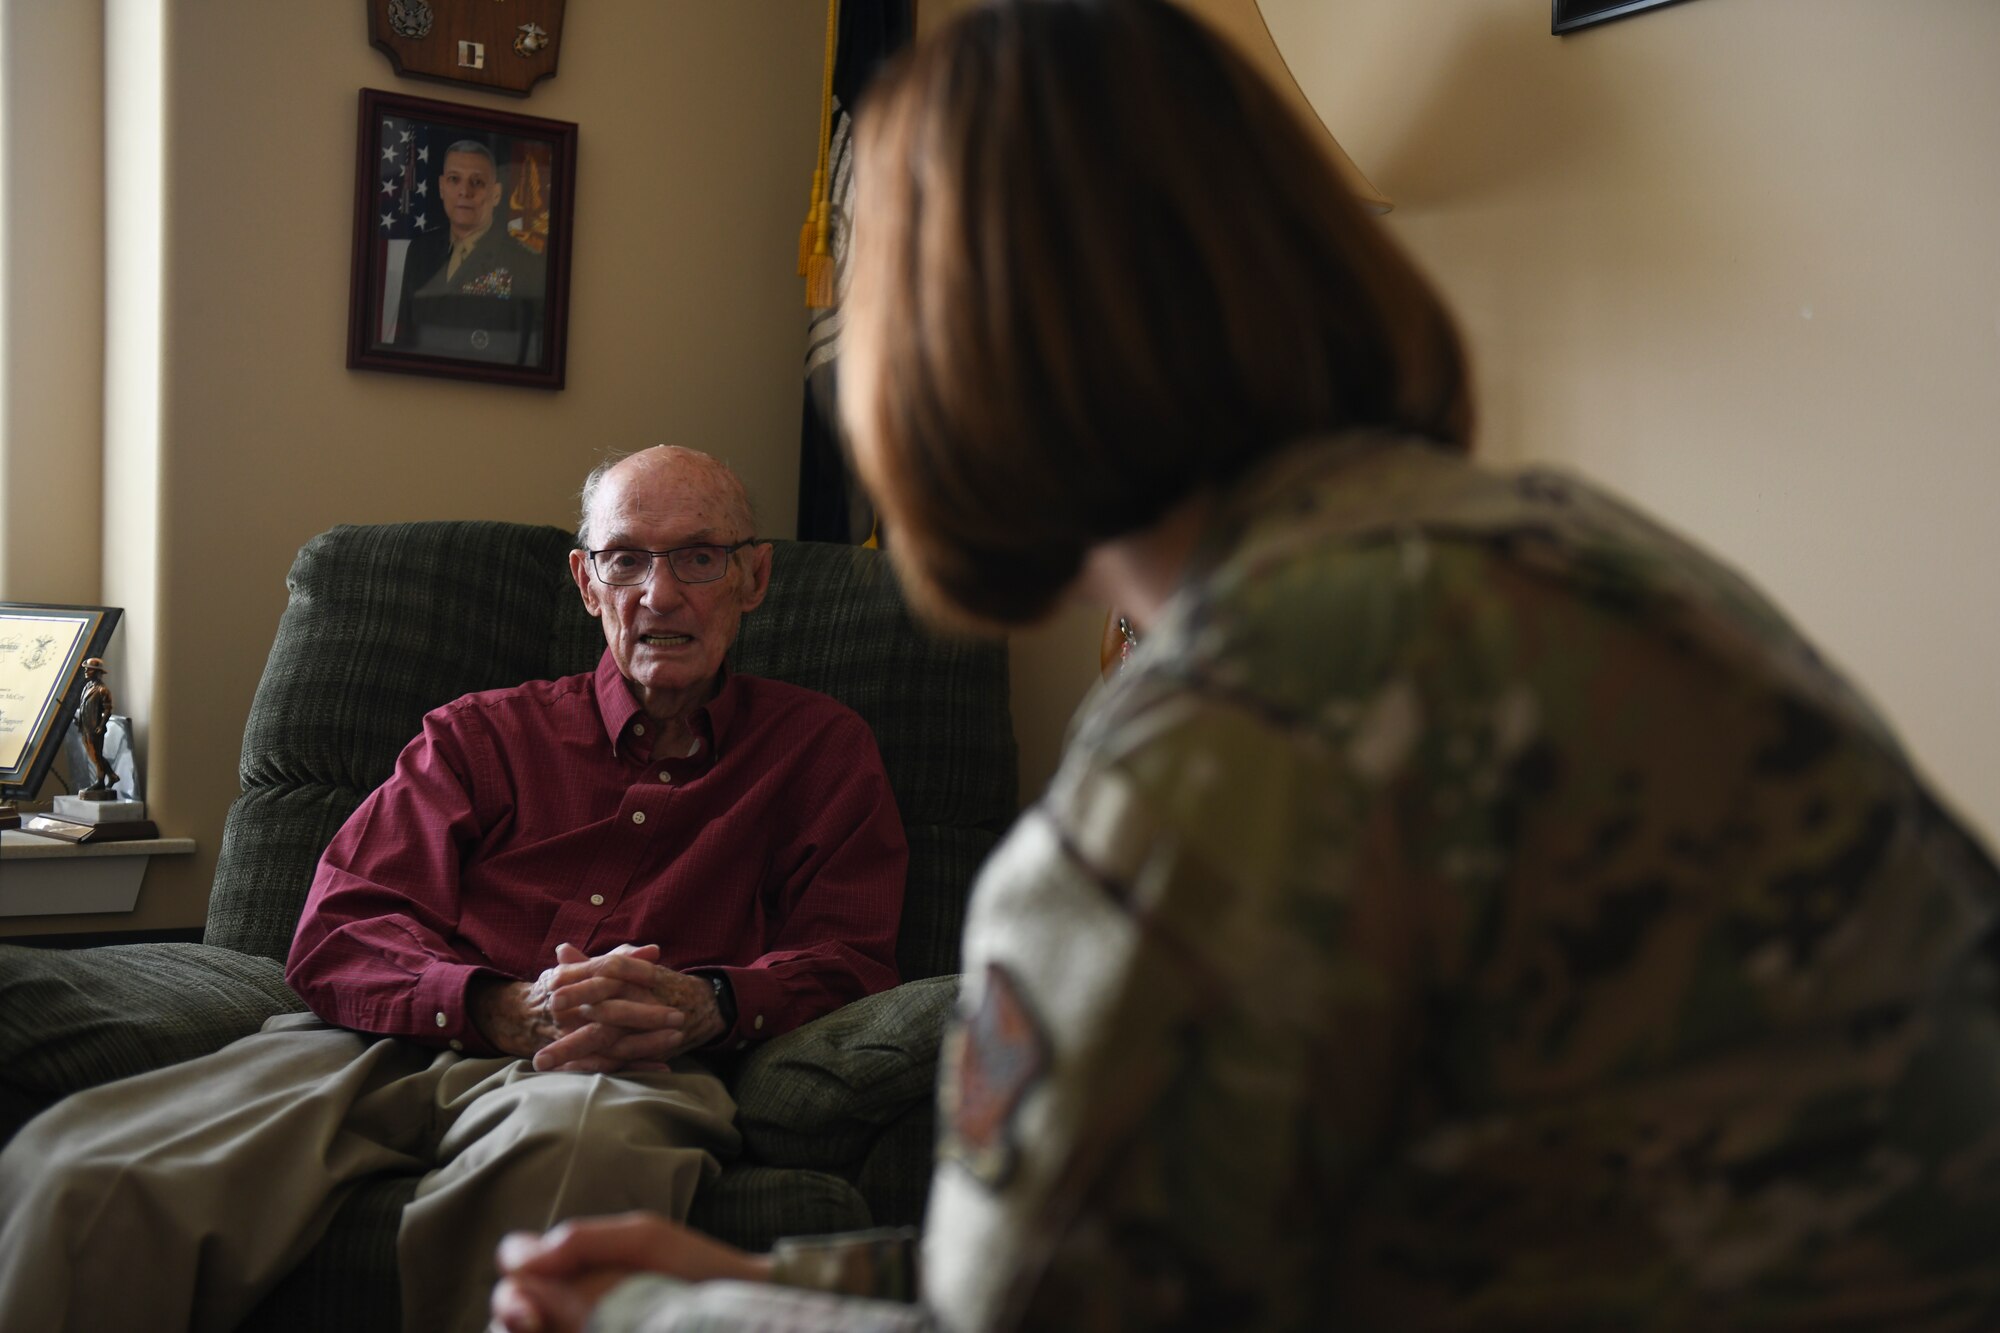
point(504, 46)
point(990, 1063)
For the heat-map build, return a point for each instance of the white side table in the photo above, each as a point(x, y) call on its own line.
point(45, 877)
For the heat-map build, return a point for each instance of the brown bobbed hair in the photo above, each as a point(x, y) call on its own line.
point(1100, 268)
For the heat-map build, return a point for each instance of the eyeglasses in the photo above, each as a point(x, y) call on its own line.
point(622, 567)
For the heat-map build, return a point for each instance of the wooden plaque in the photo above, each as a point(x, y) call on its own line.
point(504, 46)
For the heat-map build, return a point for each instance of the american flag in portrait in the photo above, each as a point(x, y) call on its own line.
point(405, 207)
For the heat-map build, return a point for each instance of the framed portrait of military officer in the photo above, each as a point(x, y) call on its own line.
point(462, 221)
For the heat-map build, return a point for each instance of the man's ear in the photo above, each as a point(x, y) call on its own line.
point(579, 569)
point(757, 572)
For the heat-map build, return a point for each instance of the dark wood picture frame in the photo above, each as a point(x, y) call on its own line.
point(83, 632)
point(1569, 15)
point(501, 314)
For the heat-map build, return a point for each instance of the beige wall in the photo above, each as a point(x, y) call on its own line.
point(51, 376)
point(686, 325)
point(1736, 258)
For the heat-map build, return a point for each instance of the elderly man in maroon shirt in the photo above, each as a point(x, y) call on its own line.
point(718, 827)
point(510, 951)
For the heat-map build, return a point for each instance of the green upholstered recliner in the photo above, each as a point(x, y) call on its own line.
point(387, 622)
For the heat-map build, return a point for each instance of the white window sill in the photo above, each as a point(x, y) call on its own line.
point(47, 877)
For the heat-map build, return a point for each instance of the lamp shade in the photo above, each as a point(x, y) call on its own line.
point(1242, 23)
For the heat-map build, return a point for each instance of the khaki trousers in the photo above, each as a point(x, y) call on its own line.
point(178, 1199)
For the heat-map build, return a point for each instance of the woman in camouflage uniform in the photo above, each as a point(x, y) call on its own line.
point(1472, 908)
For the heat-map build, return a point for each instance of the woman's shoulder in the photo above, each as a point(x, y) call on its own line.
point(1348, 563)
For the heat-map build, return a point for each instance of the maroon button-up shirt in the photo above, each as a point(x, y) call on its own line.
point(526, 818)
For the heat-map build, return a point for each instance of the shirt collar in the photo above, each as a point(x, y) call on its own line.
point(618, 706)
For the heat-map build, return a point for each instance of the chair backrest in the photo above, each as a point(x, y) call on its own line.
point(388, 622)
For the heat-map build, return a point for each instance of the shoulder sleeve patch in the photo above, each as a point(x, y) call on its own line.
point(992, 1060)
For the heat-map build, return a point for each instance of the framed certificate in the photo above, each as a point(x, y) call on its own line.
point(42, 652)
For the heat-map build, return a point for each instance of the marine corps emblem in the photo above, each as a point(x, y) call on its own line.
point(991, 1061)
point(532, 39)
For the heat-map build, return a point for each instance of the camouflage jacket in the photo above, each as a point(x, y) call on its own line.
point(1473, 908)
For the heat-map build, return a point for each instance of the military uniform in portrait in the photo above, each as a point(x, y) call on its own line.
point(488, 308)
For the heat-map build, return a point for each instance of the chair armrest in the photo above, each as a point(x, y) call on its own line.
point(820, 1095)
point(71, 1020)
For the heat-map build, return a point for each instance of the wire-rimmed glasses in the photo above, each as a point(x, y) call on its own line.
point(624, 566)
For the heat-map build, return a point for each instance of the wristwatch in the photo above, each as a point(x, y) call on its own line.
point(725, 1000)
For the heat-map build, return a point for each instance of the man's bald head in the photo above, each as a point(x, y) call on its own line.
point(670, 466)
point(681, 520)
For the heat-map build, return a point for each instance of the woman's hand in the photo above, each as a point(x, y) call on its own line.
point(551, 1283)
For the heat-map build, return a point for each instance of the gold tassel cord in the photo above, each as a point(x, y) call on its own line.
point(814, 229)
point(819, 276)
point(809, 230)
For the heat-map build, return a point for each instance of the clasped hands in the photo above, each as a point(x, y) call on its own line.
point(620, 1011)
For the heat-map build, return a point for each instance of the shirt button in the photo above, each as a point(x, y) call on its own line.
point(457, 1045)
point(666, 777)
point(442, 1021)
point(597, 900)
point(759, 1024)
point(638, 728)
point(638, 816)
